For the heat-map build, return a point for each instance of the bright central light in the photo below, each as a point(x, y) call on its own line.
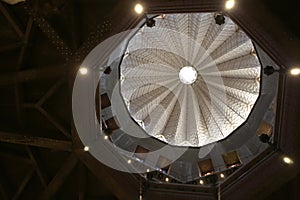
point(86, 148)
point(83, 70)
point(138, 8)
point(287, 160)
point(188, 75)
point(295, 71)
point(229, 4)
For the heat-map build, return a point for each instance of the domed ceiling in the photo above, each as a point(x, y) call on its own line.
point(188, 81)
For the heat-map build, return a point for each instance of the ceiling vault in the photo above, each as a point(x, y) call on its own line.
point(41, 155)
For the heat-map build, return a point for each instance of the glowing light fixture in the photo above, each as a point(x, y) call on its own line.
point(222, 175)
point(295, 71)
point(83, 70)
point(167, 179)
point(86, 148)
point(287, 160)
point(105, 137)
point(229, 4)
point(148, 170)
point(129, 161)
point(138, 8)
point(201, 182)
point(188, 75)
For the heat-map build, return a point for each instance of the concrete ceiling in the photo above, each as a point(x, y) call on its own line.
point(42, 44)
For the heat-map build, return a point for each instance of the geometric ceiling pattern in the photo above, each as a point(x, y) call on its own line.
point(221, 98)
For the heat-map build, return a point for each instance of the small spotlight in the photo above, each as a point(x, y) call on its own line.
point(201, 182)
point(105, 137)
point(287, 160)
point(129, 161)
point(229, 4)
point(269, 70)
point(138, 8)
point(148, 170)
point(86, 148)
point(150, 22)
point(295, 71)
point(167, 179)
point(220, 19)
point(83, 70)
point(222, 175)
point(264, 138)
point(107, 131)
point(107, 70)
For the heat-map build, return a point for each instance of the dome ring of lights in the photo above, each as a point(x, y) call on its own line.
point(204, 107)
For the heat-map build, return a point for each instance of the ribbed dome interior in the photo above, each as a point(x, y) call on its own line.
point(211, 108)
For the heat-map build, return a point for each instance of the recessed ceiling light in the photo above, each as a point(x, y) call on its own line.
point(86, 148)
point(287, 160)
point(138, 8)
point(295, 71)
point(83, 70)
point(229, 4)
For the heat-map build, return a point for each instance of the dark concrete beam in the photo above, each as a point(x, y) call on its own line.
point(23, 185)
point(32, 75)
point(36, 141)
point(59, 178)
point(124, 185)
point(11, 20)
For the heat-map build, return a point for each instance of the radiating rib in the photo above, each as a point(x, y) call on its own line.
point(159, 117)
point(240, 46)
point(154, 55)
point(171, 125)
point(180, 134)
point(213, 129)
point(250, 73)
point(149, 105)
point(129, 88)
point(220, 35)
point(236, 105)
point(157, 39)
point(219, 120)
point(241, 95)
point(192, 127)
point(243, 62)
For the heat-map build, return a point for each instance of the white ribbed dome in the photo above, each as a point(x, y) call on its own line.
point(203, 107)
